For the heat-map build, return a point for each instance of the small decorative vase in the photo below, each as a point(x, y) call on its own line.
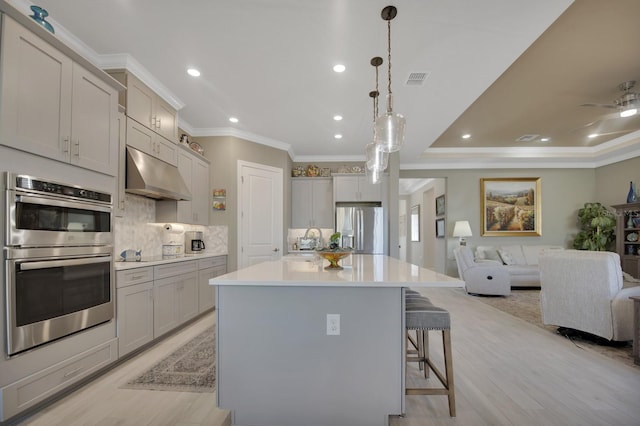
point(630, 222)
point(38, 15)
point(631, 196)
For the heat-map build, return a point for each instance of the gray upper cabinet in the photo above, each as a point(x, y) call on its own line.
point(356, 188)
point(146, 107)
point(52, 106)
point(144, 139)
point(311, 203)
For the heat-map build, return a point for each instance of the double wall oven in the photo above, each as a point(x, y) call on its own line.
point(58, 260)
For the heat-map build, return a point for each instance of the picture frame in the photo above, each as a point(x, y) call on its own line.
point(511, 207)
point(440, 228)
point(440, 205)
point(415, 223)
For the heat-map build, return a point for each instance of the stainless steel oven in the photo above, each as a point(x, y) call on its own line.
point(54, 292)
point(42, 213)
point(58, 259)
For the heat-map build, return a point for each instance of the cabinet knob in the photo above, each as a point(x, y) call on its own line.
point(276, 249)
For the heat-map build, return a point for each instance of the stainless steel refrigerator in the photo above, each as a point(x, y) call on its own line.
point(362, 227)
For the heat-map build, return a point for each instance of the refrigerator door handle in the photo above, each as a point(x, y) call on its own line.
point(360, 229)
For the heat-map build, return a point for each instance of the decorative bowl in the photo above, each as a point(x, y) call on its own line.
point(333, 257)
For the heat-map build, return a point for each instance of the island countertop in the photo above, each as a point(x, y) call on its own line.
point(359, 271)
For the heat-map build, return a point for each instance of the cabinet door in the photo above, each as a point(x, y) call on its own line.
point(35, 109)
point(200, 193)
point(118, 204)
point(139, 137)
point(301, 203)
point(207, 292)
point(185, 167)
point(322, 203)
point(94, 131)
point(345, 188)
point(165, 150)
point(164, 120)
point(367, 191)
point(139, 101)
point(165, 305)
point(188, 297)
point(135, 316)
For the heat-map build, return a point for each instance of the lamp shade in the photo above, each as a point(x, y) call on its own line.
point(462, 229)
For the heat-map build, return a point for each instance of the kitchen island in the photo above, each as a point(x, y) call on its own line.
point(300, 345)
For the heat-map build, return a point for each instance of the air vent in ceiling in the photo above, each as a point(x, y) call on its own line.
point(527, 138)
point(416, 78)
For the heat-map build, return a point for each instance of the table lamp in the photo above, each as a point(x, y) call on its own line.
point(461, 230)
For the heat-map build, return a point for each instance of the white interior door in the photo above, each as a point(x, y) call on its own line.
point(260, 213)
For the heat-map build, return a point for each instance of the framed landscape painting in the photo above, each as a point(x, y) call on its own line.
point(510, 207)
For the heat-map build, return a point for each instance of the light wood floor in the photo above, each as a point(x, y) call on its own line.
point(507, 372)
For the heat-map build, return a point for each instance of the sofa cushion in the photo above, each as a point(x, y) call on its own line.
point(488, 253)
point(532, 253)
point(506, 257)
point(516, 254)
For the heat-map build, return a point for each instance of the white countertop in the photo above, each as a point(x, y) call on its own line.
point(153, 261)
point(365, 271)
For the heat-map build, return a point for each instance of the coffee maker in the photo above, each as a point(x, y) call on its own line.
point(193, 242)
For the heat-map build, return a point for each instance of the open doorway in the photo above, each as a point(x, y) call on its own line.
point(426, 247)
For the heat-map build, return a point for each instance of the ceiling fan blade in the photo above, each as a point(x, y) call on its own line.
point(600, 105)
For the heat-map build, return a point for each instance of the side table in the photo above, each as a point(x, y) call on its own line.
point(636, 329)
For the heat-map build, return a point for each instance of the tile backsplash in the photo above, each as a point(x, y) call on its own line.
point(138, 229)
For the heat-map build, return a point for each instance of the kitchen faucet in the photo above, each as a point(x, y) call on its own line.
point(321, 241)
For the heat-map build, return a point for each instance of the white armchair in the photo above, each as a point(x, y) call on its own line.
point(481, 278)
point(583, 290)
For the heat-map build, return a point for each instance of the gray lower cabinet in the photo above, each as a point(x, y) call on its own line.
point(35, 388)
point(154, 300)
point(209, 268)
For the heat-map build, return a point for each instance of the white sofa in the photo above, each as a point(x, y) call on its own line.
point(521, 261)
point(584, 290)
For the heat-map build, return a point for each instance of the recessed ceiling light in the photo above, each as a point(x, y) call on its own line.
point(193, 72)
point(628, 112)
point(233, 119)
point(338, 136)
point(337, 117)
point(466, 136)
point(593, 135)
point(339, 68)
point(545, 139)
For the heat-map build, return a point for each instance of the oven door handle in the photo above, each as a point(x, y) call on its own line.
point(47, 201)
point(27, 266)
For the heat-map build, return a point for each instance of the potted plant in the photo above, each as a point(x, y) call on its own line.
point(598, 227)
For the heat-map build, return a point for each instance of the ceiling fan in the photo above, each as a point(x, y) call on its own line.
point(627, 104)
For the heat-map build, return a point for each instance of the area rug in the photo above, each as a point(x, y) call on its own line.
point(525, 304)
point(189, 369)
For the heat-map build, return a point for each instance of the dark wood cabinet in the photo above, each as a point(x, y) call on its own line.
point(628, 237)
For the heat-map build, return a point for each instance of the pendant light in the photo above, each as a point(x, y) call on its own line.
point(389, 127)
point(376, 158)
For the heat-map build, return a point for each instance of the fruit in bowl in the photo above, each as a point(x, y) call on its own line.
point(334, 253)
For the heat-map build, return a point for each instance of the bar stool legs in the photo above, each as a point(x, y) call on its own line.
point(422, 319)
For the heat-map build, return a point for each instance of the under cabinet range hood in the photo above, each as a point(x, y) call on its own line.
point(153, 178)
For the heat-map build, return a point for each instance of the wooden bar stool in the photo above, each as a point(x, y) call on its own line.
point(423, 317)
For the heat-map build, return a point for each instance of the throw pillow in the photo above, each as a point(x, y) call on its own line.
point(506, 257)
point(487, 253)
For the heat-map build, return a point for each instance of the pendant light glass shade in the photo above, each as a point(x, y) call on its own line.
point(389, 132)
point(374, 176)
point(376, 159)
